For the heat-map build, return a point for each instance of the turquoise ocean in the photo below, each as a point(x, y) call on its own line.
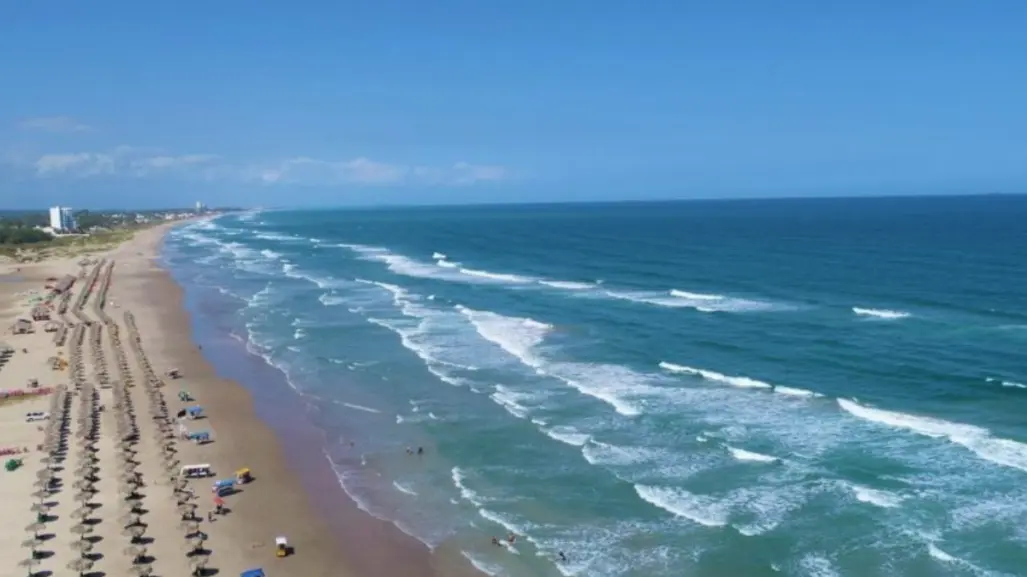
point(748, 388)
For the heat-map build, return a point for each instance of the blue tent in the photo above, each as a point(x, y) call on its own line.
point(252, 573)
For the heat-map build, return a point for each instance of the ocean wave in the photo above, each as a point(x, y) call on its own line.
point(404, 489)
point(445, 270)
point(361, 408)
point(615, 385)
point(490, 569)
point(739, 382)
point(743, 455)
point(566, 434)
point(498, 277)
point(876, 497)
point(1000, 451)
point(880, 314)
point(705, 303)
point(696, 508)
point(1007, 383)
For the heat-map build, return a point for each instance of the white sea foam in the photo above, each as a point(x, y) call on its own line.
point(520, 337)
point(438, 256)
point(568, 435)
point(457, 475)
point(817, 566)
point(875, 497)
point(361, 408)
point(495, 276)
point(700, 302)
point(491, 569)
point(403, 488)
point(795, 392)
point(1000, 451)
point(511, 401)
point(567, 285)
point(881, 314)
point(743, 455)
point(697, 508)
point(742, 382)
point(1007, 383)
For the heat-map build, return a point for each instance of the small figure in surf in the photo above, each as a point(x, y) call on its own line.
point(511, 538)
point(420, 450)
point(563, 557)
point(495, 542)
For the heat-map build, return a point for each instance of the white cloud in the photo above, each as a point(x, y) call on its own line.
point(126, 161)
point(123, 160)
point(54, 124)
point(363, 171)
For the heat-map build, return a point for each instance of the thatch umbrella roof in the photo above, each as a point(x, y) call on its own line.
point(198, 563)
point(32, 543)
point(82, 529)
point(80, 565)
point(39, 508)
point(135, 531)
point(44, 474)
point(84, 497)
point(82, 513)
point(41, 494)
point(82, 546)
point(135, 551)
point(29, 563)
point(189, 527)
point(141, 570)
point(35, 528)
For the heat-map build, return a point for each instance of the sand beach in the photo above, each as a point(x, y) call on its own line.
point(94, 442)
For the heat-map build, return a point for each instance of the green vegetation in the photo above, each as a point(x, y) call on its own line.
point(16, 235)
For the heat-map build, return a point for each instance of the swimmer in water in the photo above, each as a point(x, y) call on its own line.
point(563, 557)
point(511, 538)
point(420, 450)
point(495, 542)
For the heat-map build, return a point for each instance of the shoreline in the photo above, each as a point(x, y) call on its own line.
point(127, 299)
point(366, 544)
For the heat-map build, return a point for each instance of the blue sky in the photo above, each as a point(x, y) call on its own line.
point(421, 101)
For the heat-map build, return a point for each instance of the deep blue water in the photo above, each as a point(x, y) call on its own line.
point(759, 388)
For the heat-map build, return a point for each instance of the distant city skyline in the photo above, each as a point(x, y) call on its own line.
point(469, 102)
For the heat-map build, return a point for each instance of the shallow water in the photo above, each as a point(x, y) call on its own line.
point(818, 387)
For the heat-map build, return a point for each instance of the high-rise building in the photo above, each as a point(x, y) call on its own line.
point(62, 219)
point(199, 206)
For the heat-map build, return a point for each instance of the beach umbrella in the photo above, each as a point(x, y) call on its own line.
point(81, 529)
point(196, 544)
point(29, 563)
point(44, 474)
point(135, 532)
point(35, 528)
point(32, 543)
point(82, 546)
point(135, 552)
point(80, 565)
point(81, 513)
point(197, 564)
point(39, 508)
point(141, 570)
point(83, 497)
point(41, 494)
point(189, 527)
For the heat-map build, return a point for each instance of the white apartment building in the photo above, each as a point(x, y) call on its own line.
point(62, 219)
